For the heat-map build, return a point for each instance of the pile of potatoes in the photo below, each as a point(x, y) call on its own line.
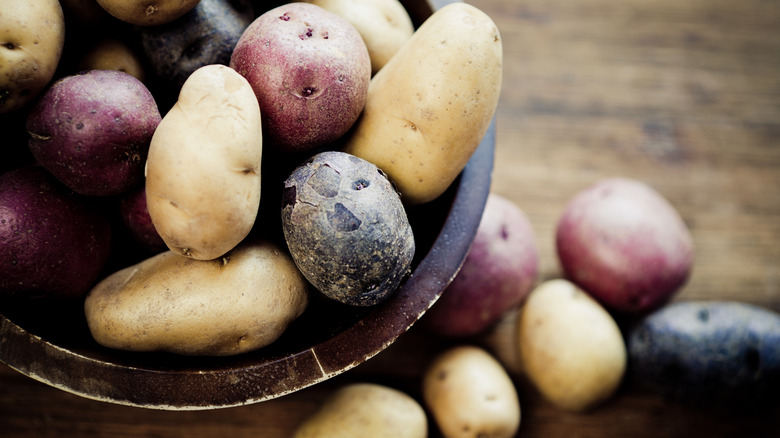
point(215, 162)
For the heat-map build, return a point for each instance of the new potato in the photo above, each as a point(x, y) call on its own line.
point(570, 347)
point(203, 169)
point(171, 303)
point(428, 108)
point(361, 410)
point(147, 12)
point(470, 395)
point(32, 36)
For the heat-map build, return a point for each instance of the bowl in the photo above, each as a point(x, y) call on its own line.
point(50, 342)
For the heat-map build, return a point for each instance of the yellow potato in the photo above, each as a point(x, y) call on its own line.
point(361, 410)
point(32, 35)
point(471, 395)
point(203, 167)
point(112, 54)
point(570, 347)
point(232, 305)
point(428, 108)
point(384, 25)
point(147, 12)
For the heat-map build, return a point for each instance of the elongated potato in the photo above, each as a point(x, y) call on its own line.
point(570, 347)
point(238, 303)
point(470, 395)
point(428, 108)
point(361, 410)
point(203, 168)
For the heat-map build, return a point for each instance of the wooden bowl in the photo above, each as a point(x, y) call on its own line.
point(50, 341)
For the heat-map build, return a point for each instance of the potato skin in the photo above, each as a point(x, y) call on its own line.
point(428, 108)
point(499, 271)
point(113, 54)
point(384, 25)
point(310, 70)
point(360, 410)
point(92, 131)
point(32, 36)
point(570, 347)
point(470, 395)
point(228, 306)
point(147, 12)
point(346, 228)
point(625, 244)
point(203, 170)
point(54, 243)
point(713, 354)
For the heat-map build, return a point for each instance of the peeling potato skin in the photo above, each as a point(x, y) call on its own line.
point(347, 229)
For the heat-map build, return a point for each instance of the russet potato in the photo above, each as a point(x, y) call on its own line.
point(240, 302)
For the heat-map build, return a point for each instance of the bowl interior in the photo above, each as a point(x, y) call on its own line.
point(49, 340)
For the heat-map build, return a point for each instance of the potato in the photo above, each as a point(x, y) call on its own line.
point(346, 228)
point(92, 131)
point(238, 303)
point(54, 243)
point(499, 271)
point(113, 54)
point(360, 410)
point(430, 105)
point(310, 70)
point(205, 35)
point(203, 170)
point(714, 354)
point(32, 36)
point(469, 394)
point(384, 25)
point(135, 217)
point(624, 244)
point(147, 12)
point(570, 348)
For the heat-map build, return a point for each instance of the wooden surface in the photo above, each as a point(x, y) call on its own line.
point(684, 95)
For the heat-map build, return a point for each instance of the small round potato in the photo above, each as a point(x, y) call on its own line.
point(32, 36)
point(147, 12)
point(232, 305)
point(203, 169)
point(570, 347)
point(361, 410)
point(470, 395)
point(113, 54)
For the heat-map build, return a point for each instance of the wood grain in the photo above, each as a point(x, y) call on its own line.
point(684, 95)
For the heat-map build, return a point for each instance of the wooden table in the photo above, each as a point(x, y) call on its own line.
point(684, 95)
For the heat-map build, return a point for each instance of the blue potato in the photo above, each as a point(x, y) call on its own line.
point(709, 354)
point(203, 36)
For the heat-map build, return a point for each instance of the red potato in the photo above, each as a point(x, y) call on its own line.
point(92, 131)
point(499, 271)
point(310, 70)
point(52, 243)
point(135, 216)
point(625, 244)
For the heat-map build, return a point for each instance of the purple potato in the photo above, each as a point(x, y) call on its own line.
point(715, 354)
point(52, 241)
point(205, 35)
point(346, 228)
point(92, 131)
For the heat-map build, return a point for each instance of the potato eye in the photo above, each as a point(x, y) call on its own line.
point(360, 184)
